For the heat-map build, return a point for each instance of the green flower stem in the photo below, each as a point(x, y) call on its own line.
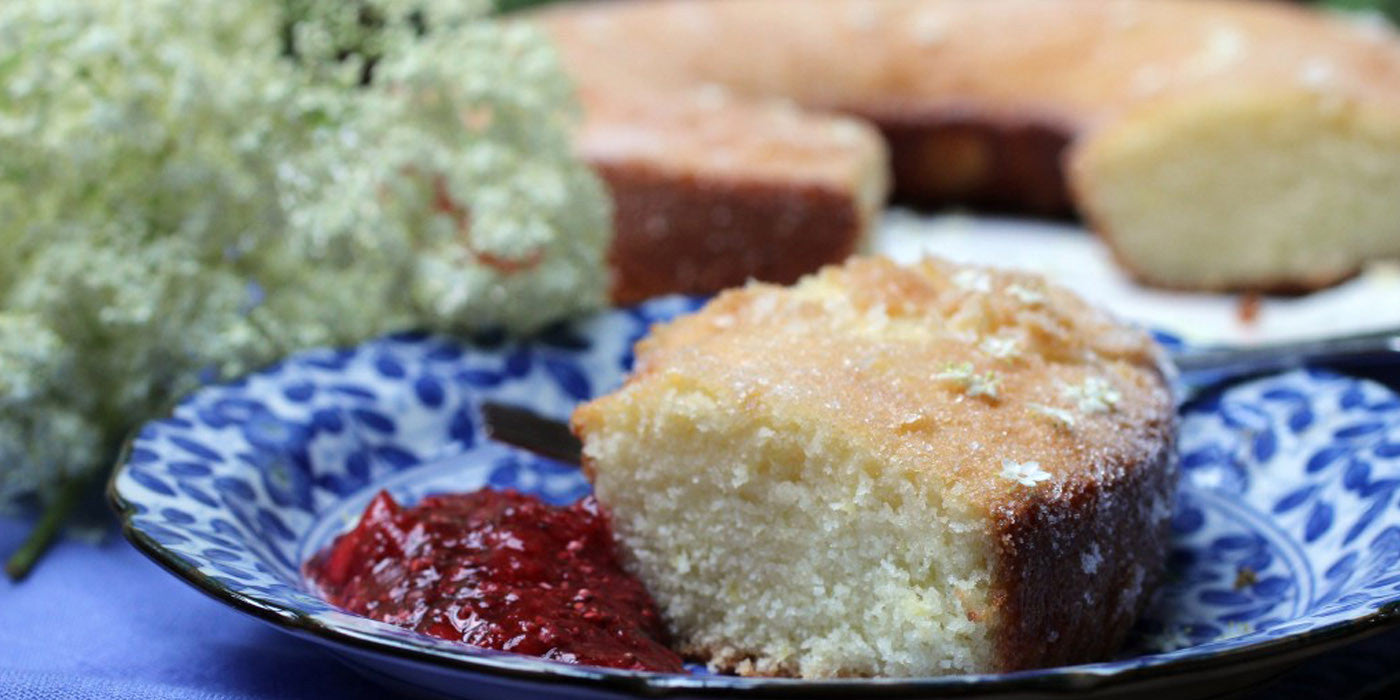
point(50, 523)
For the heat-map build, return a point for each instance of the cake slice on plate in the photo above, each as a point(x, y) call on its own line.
point(891, 471)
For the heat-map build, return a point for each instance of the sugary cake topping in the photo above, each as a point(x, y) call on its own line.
point(706, 130)
point(911, 351)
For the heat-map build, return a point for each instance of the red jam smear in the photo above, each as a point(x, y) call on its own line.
point(500, 570)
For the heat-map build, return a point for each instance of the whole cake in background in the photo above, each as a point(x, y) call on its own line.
point(891, 471)
point(1214, 144)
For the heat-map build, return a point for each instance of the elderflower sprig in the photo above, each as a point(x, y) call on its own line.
point(193, 188)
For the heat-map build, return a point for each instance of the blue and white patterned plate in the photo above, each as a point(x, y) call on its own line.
point(1287, 527)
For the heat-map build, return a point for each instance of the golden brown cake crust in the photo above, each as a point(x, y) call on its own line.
point(1044, 629)
point(919, 327)
point(709, 192)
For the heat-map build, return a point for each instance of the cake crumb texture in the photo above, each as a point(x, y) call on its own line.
point(890, 471)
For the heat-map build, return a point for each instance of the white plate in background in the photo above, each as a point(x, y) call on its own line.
point(1077, 259)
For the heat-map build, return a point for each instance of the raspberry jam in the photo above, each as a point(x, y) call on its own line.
point(501, 570)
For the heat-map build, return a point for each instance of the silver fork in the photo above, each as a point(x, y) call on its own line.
point(1202, 367)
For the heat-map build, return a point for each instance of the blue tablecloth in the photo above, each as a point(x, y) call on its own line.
point(101, 621)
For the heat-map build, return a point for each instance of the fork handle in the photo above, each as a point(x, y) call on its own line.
point(1211, 364)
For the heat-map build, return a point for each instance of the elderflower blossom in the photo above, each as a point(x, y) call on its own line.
point(965, 377)
point(1023, 473)
point(1060, 416)
point(1025, 295)
point(1095, 395)
point(192, 188)
point(1000, 347)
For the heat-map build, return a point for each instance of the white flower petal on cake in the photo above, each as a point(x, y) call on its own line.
point(1023, 473)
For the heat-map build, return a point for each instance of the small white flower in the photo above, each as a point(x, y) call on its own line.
point(966, 378)
point(973, 280)
point(984, 385)
point(1001, 347)
point(1023, 473)
point(915, 420)
point(1059, 415)
point(1095, 395)
point(1025, 295)
point(960, 373)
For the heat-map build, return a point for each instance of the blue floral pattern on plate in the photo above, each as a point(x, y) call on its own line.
point(1286, 528)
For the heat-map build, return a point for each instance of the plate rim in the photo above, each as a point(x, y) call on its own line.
point(1083, 678)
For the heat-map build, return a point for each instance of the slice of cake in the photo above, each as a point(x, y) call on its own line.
point(710, 191)
point(891, 471)
point(1276, 189)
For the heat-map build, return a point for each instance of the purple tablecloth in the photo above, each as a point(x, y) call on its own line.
point(101, 621)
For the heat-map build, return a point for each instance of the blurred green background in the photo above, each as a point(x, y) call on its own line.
point(1390, 8)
